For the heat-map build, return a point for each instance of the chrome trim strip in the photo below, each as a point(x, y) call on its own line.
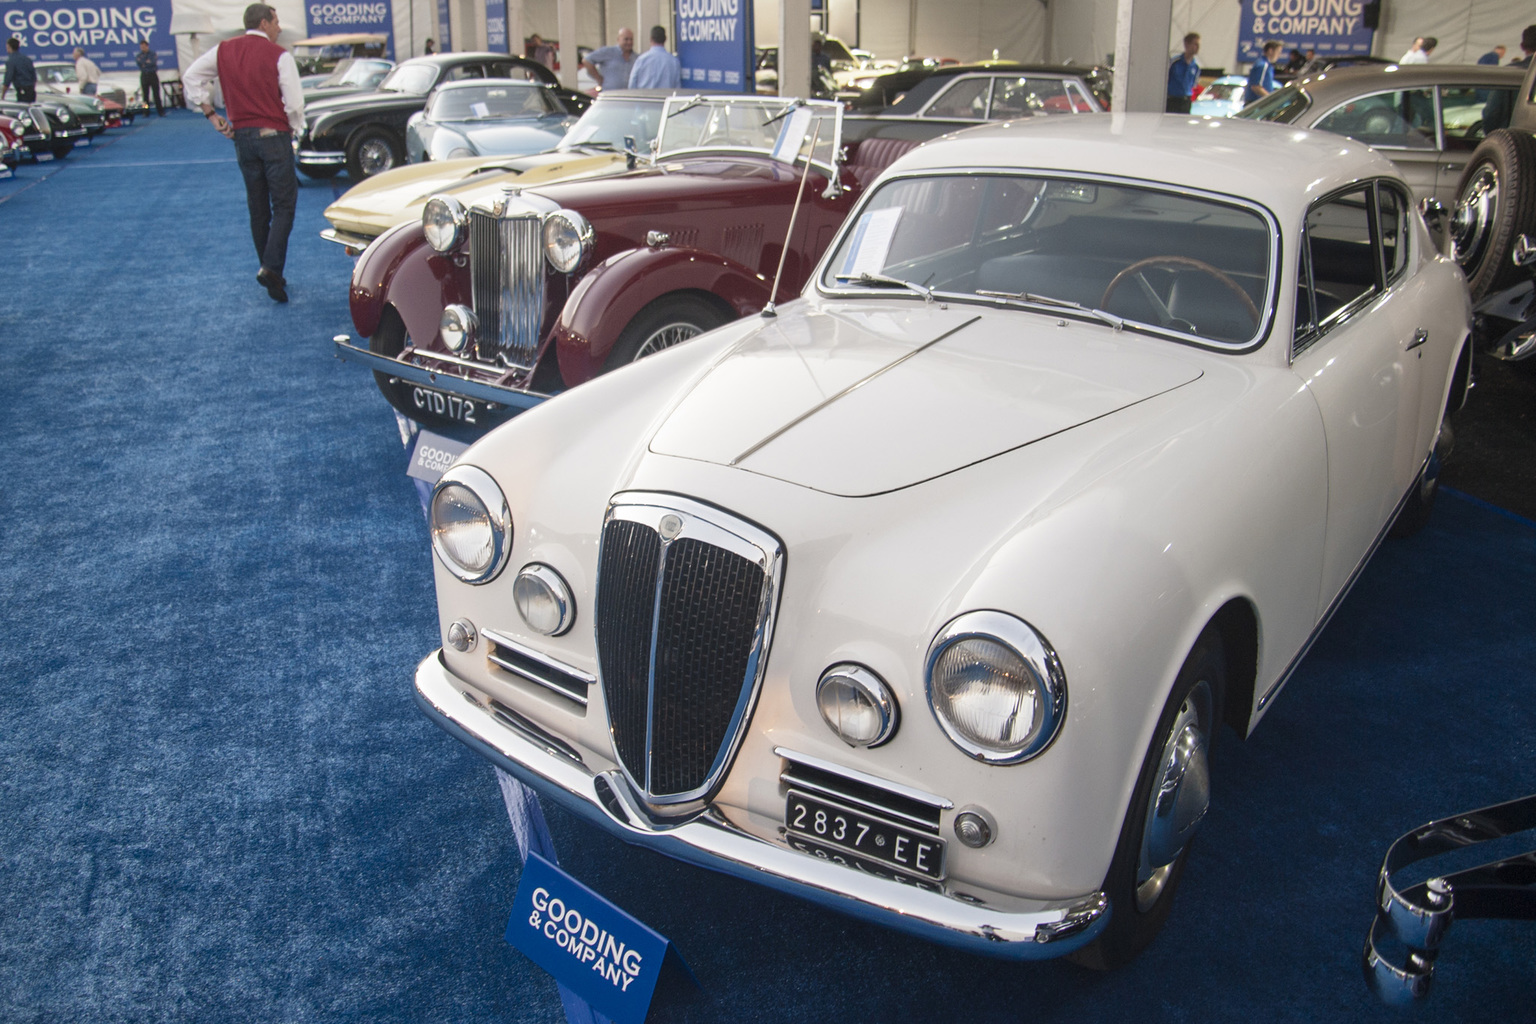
point(864, 778)
point(710, 840)
point(552, 685)
point(496, 394)
point(502, 640)
point(321, 156)
point(342, 238)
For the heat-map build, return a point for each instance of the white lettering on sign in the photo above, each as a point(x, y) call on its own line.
point(707, 21)
point(584, 939)
point(63, 27)
point(1306, 17)
point(347, 14)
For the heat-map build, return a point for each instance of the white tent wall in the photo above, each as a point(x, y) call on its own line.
point(1466, 30)
point(963, 29)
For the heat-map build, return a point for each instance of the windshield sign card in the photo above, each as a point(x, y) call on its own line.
point(589, 945)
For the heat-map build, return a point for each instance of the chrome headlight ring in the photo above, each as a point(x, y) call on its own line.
point(444, 221)
point(457, 326)
point(471, 524)
point(996, 687)
point(568, 238)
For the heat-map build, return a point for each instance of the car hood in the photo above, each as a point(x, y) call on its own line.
point(516, 136)
point(867, 400)
point(397, 196)
point(375, 100)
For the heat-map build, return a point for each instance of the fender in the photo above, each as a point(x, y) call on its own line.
point(616, 290)
point(399, 269)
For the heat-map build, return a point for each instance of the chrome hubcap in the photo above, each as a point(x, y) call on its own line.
point(375, 156)
point(666, 337)
point(1472, 220)
point(1181, 794)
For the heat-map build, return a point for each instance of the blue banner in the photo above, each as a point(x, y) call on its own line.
point(1329, 27)
point(589, 945)
point(444, 27)
point(339, 17)
point(714, 44)
point(496, 26)
point(109, 32)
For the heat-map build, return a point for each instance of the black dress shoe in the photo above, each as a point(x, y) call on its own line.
point(273, 283)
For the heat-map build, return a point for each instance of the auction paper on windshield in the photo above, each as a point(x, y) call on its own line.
point(871, 242)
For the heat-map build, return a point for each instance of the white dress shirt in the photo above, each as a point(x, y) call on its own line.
point(197, 81)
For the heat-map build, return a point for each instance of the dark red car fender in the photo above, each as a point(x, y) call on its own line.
point(399, 269)
point(615, 291)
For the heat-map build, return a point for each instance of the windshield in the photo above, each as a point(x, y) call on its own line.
point(609, 121)
point(1223, 91)
point(490, 102)
point(1282, 105)
point(415, 79)
point(357, 72)
point(782, 129)
point(1123, 254)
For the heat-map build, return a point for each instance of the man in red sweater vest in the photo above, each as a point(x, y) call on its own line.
point(263, 111)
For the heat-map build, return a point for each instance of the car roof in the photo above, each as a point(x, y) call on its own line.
point(1278, 166)
point(1356, 79)
point(500, 83)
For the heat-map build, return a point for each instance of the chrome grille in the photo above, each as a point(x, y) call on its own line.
point(506, 272)
point(684, 617)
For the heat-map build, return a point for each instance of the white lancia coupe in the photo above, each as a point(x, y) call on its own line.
point(924, 598)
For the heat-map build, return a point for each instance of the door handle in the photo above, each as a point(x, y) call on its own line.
point(1420, 336)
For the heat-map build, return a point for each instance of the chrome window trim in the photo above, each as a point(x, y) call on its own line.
point(1350, 309)
point(722, 529)
point(1032, 648)
point(1266, 308)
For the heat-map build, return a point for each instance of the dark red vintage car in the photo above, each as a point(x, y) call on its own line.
point(474, 314)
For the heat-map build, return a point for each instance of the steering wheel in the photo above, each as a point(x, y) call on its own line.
point(1176, 263)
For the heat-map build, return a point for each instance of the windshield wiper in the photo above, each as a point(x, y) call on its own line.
point(787, 108)
point(1045, 300)
point(873, 280)
point(695, 102)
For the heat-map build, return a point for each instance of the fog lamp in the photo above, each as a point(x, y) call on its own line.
point(972, 829)
point(544, 600)
point(443, 220)
point(996, 687)
point(457, 327)
point(470, 524)
point(857, 705)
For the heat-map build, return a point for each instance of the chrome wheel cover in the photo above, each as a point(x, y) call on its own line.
point(1472, 220)
point(374, 156)
point(1181, 794)
point(666, 337)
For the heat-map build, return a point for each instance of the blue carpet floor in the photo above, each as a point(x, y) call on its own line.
point(218, 801)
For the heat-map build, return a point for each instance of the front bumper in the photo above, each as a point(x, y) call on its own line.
point(711, 841)
point(321, 158)
point(442, 380)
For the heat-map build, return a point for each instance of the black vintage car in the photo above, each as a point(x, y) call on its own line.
point(365, 133)
point(960, 90)
point(48, 130)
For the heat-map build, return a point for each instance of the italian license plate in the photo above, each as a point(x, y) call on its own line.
point(454, 407)
point(838, 828)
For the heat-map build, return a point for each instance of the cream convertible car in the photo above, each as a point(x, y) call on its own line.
point(924, 598)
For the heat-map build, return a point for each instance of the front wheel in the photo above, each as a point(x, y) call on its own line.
point(670, 320)
point(1495, 202)
point(1171, 797)
point(371, 152)
point(63, 149)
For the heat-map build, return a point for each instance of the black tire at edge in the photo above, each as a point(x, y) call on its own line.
point(354, 170)
point(1513, 155)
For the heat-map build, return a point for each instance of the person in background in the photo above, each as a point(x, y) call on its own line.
point(1261, 77)
point(541, 51)
point(1500, 108)
point(149, 76)
point(430, 48)
point(87, 72)
point(1494, 56)
point(1183, 73)
point(610, 66)
point(656, 68)
point(19, 72)
point(264, 104)
point(1419, 52)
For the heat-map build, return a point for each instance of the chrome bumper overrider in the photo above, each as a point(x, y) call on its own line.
point(496, 394)
point(713, 842)
point(354, 243)
point(321, 156)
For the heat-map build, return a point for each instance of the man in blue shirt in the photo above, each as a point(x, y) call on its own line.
point(609, 66)
point(19, 72)
point(1261, 77)
point(656, 68)
point(1494, 56)
point(1183, 73)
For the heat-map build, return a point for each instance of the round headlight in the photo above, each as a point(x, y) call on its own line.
point(457, 326)
point(996, 687)
point(471, 525)
point(63, 114)
point(443, 220)
point(857, 705)
point(543, 600)
point(459, 153)
point(567, 240)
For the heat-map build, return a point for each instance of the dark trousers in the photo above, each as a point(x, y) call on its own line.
point(271, 191)
point(149, 85)
point(26, 94)
point(1178, 105)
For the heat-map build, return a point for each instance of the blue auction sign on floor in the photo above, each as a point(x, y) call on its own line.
point(589, 945)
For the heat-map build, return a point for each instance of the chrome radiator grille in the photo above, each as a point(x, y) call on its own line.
point(684, 616)
point(506, 271)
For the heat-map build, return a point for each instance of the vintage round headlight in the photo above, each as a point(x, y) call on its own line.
point(996, 687)
point(471, 525)
point(567, 240)
point(459, 153)
point(457, 325)
point(543, 600)
point(63, 114)
point(857, 705)
point(443, 220)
